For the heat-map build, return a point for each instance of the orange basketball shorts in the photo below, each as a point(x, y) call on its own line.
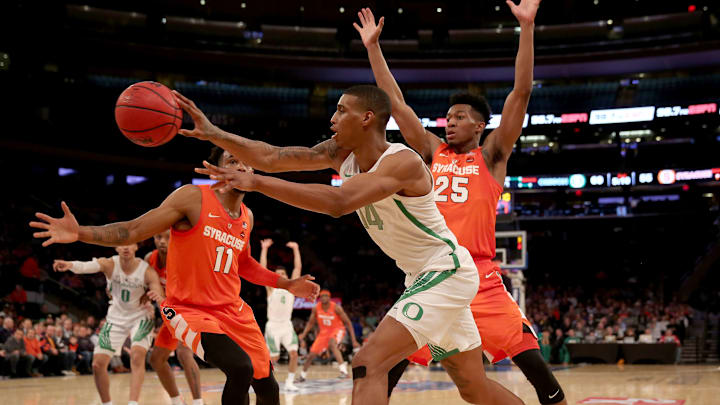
point(165, 339)
point(323, 339)
point(237, 321)
point(498, 318)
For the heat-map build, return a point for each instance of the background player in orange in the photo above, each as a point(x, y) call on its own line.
point(165, 343)
point(332, 321)
point(207, 255)
point(279, 329)
point(128, 278)
point(468, 183)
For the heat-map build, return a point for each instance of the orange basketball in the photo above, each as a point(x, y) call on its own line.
point(148, 114)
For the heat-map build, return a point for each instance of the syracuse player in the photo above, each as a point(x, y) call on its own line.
point(165, 343)
point(207, 255)
point(468, 183)
point(332, 321)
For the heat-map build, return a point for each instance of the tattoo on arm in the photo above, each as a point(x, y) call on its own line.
point(113, 233)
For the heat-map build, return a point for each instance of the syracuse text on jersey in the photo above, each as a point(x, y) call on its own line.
point(455, 169)
point(223, 237)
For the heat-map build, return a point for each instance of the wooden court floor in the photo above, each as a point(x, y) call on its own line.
point(592, 384)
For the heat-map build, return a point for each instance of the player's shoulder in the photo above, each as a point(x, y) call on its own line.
point(149, 255)
point(187, 191)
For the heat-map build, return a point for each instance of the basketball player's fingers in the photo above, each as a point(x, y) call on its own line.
point(202, 170)
point(44, 217)
point(370, 14)
point(48, 242)
point(41, 234)
point(65, 208)
point(41, 225)
point(357, 28)
point(381, 23)
point(510, 4)
point(361, 16)
point(308, 277)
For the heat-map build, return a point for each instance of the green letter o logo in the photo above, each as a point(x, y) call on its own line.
point(412, 311)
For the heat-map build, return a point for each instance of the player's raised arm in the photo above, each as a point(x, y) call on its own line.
point(67, 230)
point(499, 144)
point(264, 246)
point(297, 260)
point(399, 171)
point(260, 155)
point(411, 129)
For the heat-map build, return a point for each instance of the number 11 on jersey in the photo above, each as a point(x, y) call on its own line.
point(219, 259)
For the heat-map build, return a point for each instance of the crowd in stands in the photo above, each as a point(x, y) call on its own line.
point(563, 316)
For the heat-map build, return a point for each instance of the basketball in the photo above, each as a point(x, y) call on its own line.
point(147, 114)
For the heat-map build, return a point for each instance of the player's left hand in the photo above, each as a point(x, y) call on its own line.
point(58, 230)
point(292, 245)
point(524, 12)
point(204, 129)
point(355, 344)
point(227, 179)
point(303, 287)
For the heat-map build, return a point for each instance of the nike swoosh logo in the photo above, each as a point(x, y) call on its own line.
point(443, 155)
point(348, 175)
point(489, 275)
point(553, 395)
point(213, 216)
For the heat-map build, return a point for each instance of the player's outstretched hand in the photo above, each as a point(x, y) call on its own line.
point(266, 243)
point(57, 230)
point(227, 179)
point(61, 265)
point(303, 287)
point(293, 245)
point(204, 129)
point(526, 11)
point(369, 31)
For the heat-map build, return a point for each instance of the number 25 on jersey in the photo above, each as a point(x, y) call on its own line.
point(457, 185)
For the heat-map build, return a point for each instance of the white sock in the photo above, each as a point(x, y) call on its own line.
point(132, 403)
point(303, 374)
point(198, 401)
point(176, 400)
point(343, 367)
point(291, 377)
point(107, 403)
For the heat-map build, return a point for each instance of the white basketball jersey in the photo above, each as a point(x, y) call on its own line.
point(126, 291)
point(410, 230)
point(280, 305)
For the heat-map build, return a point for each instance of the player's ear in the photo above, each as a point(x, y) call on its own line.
point(368, 119)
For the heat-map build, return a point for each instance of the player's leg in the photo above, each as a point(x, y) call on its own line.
point(223, 353)
point(267, 390)
point(137, 371)
point(101, 376)
point(388, 345)
point(159, 361)
point(334, 345)
point(192, 371)
point(467, 372)
point(289, 341)
point(395, 374)
point(506, 333)
point(165, 343)
point(318, 347)
point(273, 342)
point(538, 373)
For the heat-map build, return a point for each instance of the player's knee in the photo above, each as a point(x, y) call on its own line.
point(267, 391)
point(537, 372)
point(137, 358)
point(293, 355)
point(158, 358)
point(99, 364)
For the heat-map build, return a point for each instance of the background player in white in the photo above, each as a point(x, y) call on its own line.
point(279, 329)
point(128, 278)
point(391, 189)
point(165, 343)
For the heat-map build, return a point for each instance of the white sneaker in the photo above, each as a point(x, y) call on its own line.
point(290, 386)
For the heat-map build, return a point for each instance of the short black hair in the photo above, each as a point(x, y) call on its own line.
point(476, 101)
point(215, 155)
point(373, 99)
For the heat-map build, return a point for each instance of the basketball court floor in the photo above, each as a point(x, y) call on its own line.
point(591, 384)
